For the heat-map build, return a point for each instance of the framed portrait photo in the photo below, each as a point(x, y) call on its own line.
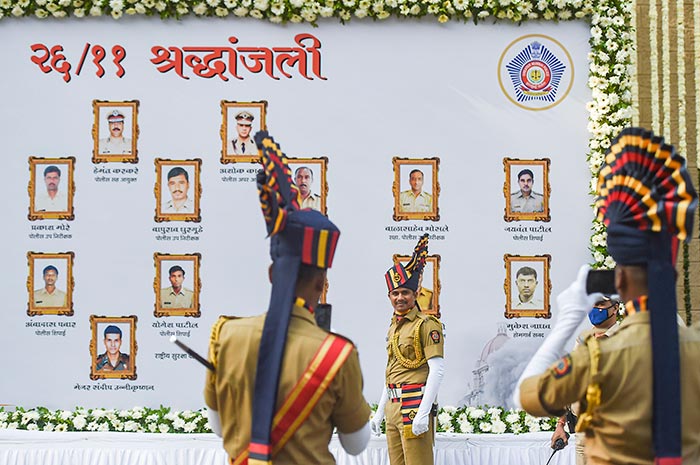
point(51, 188)
point(309, 175)
point(416, 189)
point(429, 286)
point(527, 286)
point(50, 283)
point(178, 190)
point(115, 131)
point(113, 347)
point(526, 189)
point(177, 284)
point(241, 120)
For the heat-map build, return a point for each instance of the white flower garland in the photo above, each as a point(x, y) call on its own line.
point(163, 420)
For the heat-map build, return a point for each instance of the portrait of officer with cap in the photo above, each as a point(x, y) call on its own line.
point(638, 388)
point(242, 142)
point(414, 369)
point(115, 143)
point(281, 385)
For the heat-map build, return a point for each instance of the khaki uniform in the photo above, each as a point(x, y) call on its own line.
point(410, 203)
point(621, 431)
point(230, 391)
point(312, 201)
point(102, 363)
point(530, 204)
point(236, 147)
point(403, 450)
point(169, 299)
point(55, 299)
point(186, 207)
point(109, 146)
point(533, 304)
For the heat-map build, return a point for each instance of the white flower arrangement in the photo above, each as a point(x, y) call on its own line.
point(137, 419)
point(466, 420)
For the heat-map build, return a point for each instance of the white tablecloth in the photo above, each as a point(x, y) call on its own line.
point(39, 448)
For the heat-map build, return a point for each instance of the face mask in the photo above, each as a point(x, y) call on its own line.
point(598, 315)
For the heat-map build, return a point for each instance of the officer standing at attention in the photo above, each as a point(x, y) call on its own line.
point(414, 368)
point(630, 384)
point(281, 384)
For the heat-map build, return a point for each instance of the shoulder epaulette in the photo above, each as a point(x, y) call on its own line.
point(343, 337)
point(214, 336)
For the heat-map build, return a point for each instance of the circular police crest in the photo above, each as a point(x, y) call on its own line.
point(535, 72)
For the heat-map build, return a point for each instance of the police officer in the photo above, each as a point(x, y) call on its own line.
point(49, 295)
point(281, 364)
point(414, 368)
point(526, 200)
point(630, 383)
point(176, 295)
point(244, 144)
point(415, 199)
point(116, 143)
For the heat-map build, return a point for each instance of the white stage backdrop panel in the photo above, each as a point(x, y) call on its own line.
point(142, 118)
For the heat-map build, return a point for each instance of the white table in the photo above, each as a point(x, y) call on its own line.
point(40, 448)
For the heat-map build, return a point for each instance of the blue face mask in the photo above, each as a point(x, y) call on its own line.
point(598, 315)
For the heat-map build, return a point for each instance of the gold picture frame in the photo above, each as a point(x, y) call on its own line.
point(40, 206)
point(192, 169)
point(102, 151)
point(409, 165)
point(432, 263)
point(538, 303)
point(169, 305)
point(100, 365)
point(539, 168)
point(62, 264)
point(318, 167)
point(229, 108)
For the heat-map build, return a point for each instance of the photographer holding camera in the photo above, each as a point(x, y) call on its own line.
point(630, 385)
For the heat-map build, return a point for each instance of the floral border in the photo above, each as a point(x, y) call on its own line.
point(468, 420)
point(610, 110)
point(610, 58)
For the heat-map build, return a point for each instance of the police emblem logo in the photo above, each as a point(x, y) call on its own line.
point(435, 336)
point(535, 72)
point(412, 415)
point(563, 367)
point(395, 277)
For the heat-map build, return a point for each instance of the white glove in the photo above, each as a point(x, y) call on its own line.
point(573, 305)
point(421, 421)
point(376, 422)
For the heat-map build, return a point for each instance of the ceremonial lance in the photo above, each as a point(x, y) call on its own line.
point(191, 352)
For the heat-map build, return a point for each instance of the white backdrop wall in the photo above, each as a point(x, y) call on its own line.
point(395, 89)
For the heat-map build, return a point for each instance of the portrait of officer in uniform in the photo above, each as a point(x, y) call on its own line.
point(304, 178)
point(176, 295)
point(260, 396)
point(178, 182)
point(51, 196)
point(527, 285)
point(177, 284)
point(639, 387)
point(416, 189)
point(113, 347)
point(115, 143)
point(112, 359)
point(178, 190)
point(243, 143)
point(415, 199)
point(50, 283)
point(414, 369)
point(526, 189)
point(115, 131)
point(50, 295)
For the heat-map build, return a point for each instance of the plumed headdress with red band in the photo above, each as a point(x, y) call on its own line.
point(647, 201)
point(409, 274)
point(296, 237)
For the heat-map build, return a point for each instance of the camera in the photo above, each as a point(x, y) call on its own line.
point(602, 281)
